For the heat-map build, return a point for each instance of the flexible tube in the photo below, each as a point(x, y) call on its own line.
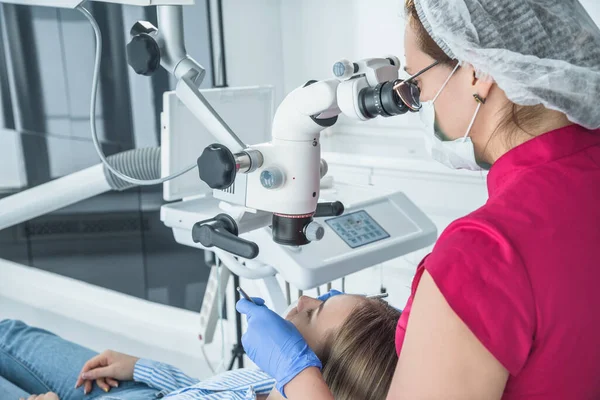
point(95, 80)
point(142, 164)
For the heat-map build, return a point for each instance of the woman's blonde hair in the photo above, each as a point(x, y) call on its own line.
point(360, 359)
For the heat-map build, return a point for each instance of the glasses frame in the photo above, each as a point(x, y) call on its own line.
point(414, 104)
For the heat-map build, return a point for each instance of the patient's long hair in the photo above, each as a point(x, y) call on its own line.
point(360, 360)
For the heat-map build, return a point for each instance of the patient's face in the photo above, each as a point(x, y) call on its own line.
point(315, 319)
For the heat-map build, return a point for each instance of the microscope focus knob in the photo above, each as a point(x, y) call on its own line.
point(272, 178)
point(344, 69)
point(217, 166)
point(143, 54)
point(314, 232)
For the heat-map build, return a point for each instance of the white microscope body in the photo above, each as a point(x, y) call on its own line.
point(283, 176)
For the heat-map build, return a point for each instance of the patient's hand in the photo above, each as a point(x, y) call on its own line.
point(106, 369)
point(47, 396)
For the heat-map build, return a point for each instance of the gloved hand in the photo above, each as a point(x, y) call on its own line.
point(329, 294)
point(274, 344)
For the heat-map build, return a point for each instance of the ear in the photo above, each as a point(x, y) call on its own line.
point(479, 87)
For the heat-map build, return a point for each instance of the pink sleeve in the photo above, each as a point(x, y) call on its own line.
point(484, 281)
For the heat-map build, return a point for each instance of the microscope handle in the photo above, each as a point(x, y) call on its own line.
point(333, 209)
point(221, 232)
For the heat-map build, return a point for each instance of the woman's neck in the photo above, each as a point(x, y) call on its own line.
point(502, 141)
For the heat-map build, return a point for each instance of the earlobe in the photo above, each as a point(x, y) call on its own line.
point(479, 99)
point(482, 89)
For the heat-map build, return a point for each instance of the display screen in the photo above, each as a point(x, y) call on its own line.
point(357, 229)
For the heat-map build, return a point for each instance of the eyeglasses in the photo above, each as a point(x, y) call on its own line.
point(409, 92)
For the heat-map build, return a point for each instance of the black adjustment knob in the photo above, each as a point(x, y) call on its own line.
point(329, 209)
point(143, 54)
point(142, 27)
point(217, 166)
point(221, 232)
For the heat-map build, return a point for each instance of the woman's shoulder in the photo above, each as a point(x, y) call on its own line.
point(482, 226)
point(477, 248)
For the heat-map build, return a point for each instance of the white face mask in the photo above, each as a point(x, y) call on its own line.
point(455, 154)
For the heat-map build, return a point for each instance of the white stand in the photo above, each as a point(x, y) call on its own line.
point(273, 294)
point(52, 196)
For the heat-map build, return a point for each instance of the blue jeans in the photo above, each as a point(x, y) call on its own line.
point(34, 361)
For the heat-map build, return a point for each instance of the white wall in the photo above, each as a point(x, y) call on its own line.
point(253, 46)
point(593, 8)
point(301, 40)
point(317, 33)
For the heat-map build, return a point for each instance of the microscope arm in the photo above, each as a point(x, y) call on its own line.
point(306, 111)
point(187, 91)
point(51, 196)
point(152, 47)
point(78, 186)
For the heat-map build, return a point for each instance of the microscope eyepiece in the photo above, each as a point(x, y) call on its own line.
point(382, 100)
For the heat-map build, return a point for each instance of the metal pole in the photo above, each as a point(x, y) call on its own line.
point(217, 43)
point(239, 351)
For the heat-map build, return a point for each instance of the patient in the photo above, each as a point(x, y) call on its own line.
point(353, 337)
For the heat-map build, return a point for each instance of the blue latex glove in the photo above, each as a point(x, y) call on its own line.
point(274, 344)
point(329, 294)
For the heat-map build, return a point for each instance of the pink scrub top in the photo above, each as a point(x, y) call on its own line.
point(523, 271)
